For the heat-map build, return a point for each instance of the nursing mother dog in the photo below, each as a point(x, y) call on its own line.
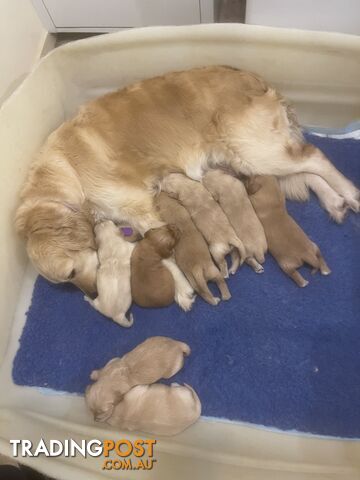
point(117, 149)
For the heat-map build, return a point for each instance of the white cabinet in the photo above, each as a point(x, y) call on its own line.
point(107, 15)
point(325, 15)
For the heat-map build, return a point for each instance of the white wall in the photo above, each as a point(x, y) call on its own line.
point(324, 15)
point(21, 39)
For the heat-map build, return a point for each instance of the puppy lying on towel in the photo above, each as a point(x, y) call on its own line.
point(191, 251)
point(113, 275)
point(231, 194)
point(155, 358)
point(157, 409)
point(208, 217)
point(287, 242)
point(156, 280)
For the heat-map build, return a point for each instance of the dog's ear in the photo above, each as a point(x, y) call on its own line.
point(175, 232)
point(94, 375)
point(252, 185)
point(163, 240)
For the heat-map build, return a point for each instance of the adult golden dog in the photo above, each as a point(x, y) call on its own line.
point(118, 148)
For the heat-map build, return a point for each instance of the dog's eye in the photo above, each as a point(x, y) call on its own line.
point(72, 274)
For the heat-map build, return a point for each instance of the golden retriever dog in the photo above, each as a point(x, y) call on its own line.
point(118, 147)
point(232, 197)
point(208, 217)
point(113, 277)
point(151, 360)
point(157, 409)
point(287, 242)
point(191, 251)
point(156, 280)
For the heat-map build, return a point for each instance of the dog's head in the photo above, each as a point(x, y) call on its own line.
point(60, 243)
point(163, 239)
point(101, 400)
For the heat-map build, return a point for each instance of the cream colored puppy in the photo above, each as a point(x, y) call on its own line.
point(153, 359)
point(208, 217)
point(113, 276)
point(231, 194)
point(157, 409)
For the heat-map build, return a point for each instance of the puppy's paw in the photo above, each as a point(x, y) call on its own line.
point(259, 269)
point(184, 301)
point(353, 200)
point(215, 300)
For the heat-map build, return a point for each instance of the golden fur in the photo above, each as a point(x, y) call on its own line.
point(152, 284)
point(151, 360)
point(118, 147)
point(113, 275)
point(191, 251)
point(157, 409)
point(287, 242)
point(208, 217)
point(231, 195)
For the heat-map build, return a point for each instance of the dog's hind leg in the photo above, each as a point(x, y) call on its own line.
point(296, 187)
point(184, 293)
point(235, 261)
point(295, 275)
point(202, 287)
point(317, 261)
point(218, 252)
point(252, 262)
point(216, 276)
point(308, 159)
point(331, 201)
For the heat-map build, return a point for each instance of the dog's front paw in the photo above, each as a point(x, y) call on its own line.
point(338, 210)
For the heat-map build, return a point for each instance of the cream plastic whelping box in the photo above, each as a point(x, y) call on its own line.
point(320, 73)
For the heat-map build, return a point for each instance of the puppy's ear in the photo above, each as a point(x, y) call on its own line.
point(175, 232)
point(252, 185)
point(94, 375)
point(163, 239)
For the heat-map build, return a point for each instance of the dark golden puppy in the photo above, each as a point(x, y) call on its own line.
point(287, 242)
point(156, 280)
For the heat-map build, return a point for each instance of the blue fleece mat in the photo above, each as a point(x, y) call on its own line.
point(274, 355)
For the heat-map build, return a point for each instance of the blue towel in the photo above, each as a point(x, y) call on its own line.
point(273, 355)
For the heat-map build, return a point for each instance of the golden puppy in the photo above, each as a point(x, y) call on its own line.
point(287, 242)
point(208, 218)
point(157, 409)
point(156, 281)
point(153, 359)
point(118, 147)
point(191, 251)
point(113, 277)
point(231, 194)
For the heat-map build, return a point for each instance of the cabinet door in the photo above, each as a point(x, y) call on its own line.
point(121, 13)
